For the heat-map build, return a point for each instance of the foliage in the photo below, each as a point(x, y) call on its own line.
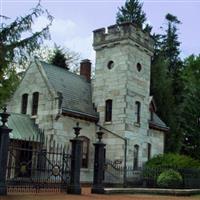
point(170, 179)
point(17, 42)
point(190, 109)
point(132, 12)
point(174, 161)
point(166, 82)
point(64, 58)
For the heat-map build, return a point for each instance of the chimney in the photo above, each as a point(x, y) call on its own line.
point(85, 69)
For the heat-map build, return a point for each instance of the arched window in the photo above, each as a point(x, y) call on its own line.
point(35, 103)
point(24, 103)
point(135, 156)
point(148, 151)
point(138, 110)
point(85, 151)
point(108, 111)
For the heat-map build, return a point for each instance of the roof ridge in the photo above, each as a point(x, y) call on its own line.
point(65, 70)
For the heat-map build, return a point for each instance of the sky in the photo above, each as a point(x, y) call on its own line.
point(74, 20)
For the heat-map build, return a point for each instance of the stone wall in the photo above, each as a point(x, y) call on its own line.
point(55, 125)
point(125, 84)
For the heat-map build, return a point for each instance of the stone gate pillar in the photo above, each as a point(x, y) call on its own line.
point(76, 158)
point(99, 165)
point(4, 142)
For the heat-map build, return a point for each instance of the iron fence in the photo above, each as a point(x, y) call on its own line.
point(146, 176)
point(36, 165)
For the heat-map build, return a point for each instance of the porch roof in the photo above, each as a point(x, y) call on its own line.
point(23, 128)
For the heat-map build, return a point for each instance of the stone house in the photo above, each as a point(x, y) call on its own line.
point(117, 100)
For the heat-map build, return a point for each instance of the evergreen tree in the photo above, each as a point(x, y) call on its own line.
point(15, 48)
point(59, 58)
point(132, 12)
point(190, 109)
point(64, 58)
point(167, 56)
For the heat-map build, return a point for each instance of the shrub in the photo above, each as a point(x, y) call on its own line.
point(160, 163)
point(174, 161)
point(169, 179)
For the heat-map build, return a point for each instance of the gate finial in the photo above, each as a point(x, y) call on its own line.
point(4, 116)
point(77, 130)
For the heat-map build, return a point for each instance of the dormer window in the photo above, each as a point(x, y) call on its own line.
point(24, 103)
point(108, 111)
point(35, 103)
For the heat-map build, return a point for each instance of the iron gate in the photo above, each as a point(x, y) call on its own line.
point(35, 166)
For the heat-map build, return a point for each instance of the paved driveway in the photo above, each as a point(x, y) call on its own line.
point(86, 195)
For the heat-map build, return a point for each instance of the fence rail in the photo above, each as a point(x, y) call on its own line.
point(147, 177)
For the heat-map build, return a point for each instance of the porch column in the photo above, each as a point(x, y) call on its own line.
point(4, 142)
point(99, 165)
point(76, 158)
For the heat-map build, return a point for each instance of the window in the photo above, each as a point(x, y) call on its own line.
point(148, 151)
point(24, 103)
point(138, 108)
point(108, 111)
point(139, 67)
point(35, 103)
point(135, 157)
point(85, 151)
point(110, 64)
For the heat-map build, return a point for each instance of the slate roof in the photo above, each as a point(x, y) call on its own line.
point(157, 123)
point(75, 89)
point(22, 127)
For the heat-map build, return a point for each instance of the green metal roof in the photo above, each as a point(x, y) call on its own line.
point(23, 128)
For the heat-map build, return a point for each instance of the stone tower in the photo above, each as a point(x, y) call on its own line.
point(122, 83)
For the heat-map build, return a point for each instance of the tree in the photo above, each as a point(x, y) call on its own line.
point(168, 87)
point(132, 12)
point(190, 109)
point(15, 48)
point(59, 58)
point(64, 58)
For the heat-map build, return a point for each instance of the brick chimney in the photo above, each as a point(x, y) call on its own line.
point(85, 69)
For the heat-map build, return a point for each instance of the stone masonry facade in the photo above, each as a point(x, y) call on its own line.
point(125, 83)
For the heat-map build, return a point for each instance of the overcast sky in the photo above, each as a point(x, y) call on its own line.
point(74, 20)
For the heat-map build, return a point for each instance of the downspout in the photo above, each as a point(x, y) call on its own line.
point(125, 152)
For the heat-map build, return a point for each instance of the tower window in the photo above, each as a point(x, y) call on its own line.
point(148, 151)
point(110, 64)
point(108, 111)
point(24, 103)
point(138, 111)
point(135, 157)
point(85, 151)
point(139, 67)
point(35, 103)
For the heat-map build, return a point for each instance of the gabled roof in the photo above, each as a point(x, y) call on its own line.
point(75, 89)
point(157, 123)
point(23, 128)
